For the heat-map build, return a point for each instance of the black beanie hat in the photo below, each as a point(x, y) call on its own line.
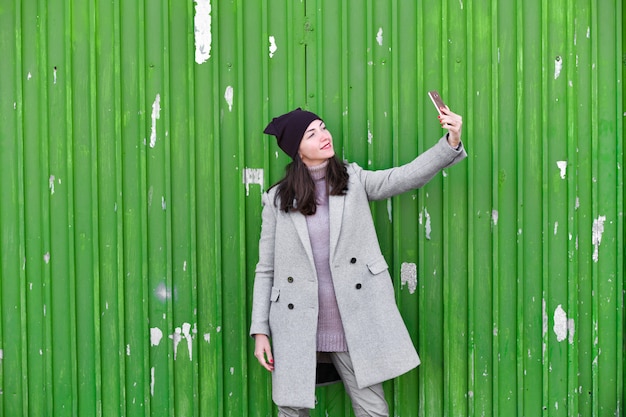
point(289, 129)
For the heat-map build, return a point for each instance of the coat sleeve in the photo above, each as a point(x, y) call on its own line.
point(389, 182)
point(264, 273)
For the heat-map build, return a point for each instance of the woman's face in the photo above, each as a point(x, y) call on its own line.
point(316, 145)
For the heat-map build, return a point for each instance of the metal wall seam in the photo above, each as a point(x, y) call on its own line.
point(11, 301)
point(572, 272)
point(84, 166)
point(110, 209)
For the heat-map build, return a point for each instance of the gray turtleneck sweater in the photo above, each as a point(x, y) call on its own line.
point(330, 334)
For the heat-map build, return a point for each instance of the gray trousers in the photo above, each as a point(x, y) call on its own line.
point(366, 402)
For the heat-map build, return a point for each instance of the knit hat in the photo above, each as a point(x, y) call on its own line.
point(289, 129)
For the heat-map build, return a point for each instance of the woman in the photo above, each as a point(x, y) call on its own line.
point(322, 288)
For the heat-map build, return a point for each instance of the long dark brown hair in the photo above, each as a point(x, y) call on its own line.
point(296, 191)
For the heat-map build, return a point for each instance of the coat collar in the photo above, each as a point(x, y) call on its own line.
point(335, 216)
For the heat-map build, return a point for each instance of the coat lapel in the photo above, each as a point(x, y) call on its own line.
point(335, 214)
point(299, 222)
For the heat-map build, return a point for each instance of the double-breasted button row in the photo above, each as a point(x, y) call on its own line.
point(290, 305)
point(357, 286)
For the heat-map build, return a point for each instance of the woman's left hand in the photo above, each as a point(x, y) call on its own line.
point(453, 122)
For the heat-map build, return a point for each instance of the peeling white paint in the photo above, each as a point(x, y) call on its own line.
point(560, 324)
point(494, 217)
point(558, 66)
point(128, 350)
point(152, 381)
point(389, 210)
point(252, 176)
point(563, 167)
point(163, 204)
point(54, 75)
point(185, 266)
point(273, 47)
point(596, 235)
point(46, 257)
point(51, 184)
point(228, 96)
point(427, 226)
point(180, 334)
point(232, 370)
point(1, 354)
point(29, 76)
point(556, 228)
point(408, 276)
point(202, 30)
point(379, 36)
point(577, 204)
point(370, 136)
point(563, 326)
point(187, 335)
point(207, 337)
point(155, 336)
point(156, 114)
point(461, 4)
point(176, 338)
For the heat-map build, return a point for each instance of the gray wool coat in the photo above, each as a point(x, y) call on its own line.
point(285, 305)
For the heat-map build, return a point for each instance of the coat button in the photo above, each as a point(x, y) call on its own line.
point(358, 286)
point(353, 260)
point(290, 280)
point(290, 306)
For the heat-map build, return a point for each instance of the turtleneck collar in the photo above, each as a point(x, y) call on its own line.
point(318, 172)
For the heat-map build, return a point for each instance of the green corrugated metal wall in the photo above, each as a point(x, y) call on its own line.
point(133, 161)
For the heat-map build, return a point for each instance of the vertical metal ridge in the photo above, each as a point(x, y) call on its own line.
point(572, 273)
point(519, 194)
point(84, 188)
point(545, 214)
point(497, 280)
point(594, 206)
point(241, 162)
point(618, 266)
point(13, 309)
point(193, 215)
point(421, 251)
point(471, 226)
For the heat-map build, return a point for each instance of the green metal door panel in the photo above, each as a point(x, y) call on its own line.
point(133, 162)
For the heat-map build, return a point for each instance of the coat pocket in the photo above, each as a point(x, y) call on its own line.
point(275, 294)
point(377, 266)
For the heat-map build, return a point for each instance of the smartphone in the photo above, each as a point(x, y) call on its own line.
point(437, 101)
